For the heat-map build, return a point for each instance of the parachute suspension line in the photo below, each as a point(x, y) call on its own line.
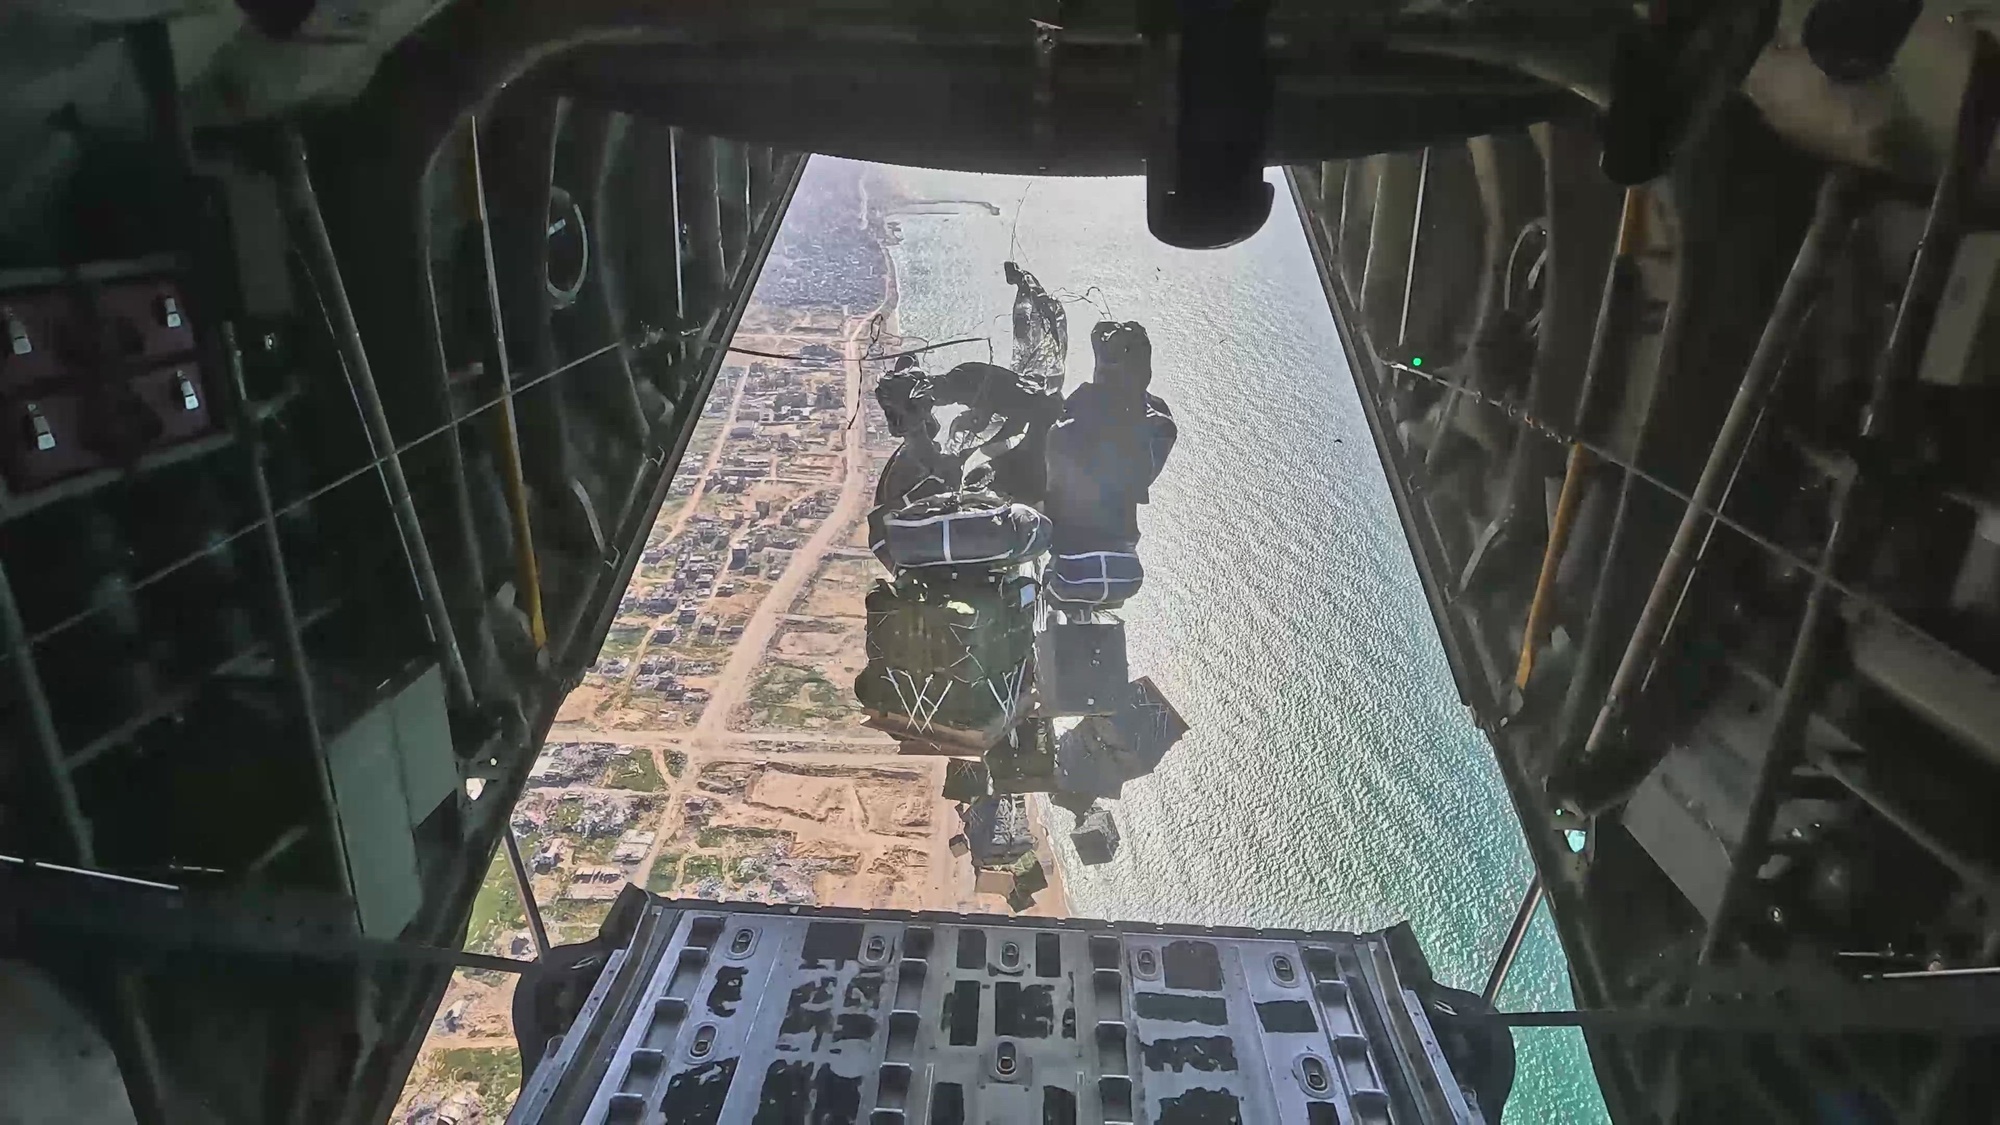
point(1102, 305)
point(1014, 237)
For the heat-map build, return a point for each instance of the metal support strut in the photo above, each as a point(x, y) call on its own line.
point(42, 725)
point(1619, 286)
point(529, 906)
point(1503, 963)
point(527, 568)
point(1833, 218)
point(291, 650)
point(317, 247)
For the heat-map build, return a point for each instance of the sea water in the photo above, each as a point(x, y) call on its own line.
point(1331, 779)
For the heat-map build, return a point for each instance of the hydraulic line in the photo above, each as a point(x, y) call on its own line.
point(527, 568)
point(1611, 315)
point(1880, 609)
point(1540, 609)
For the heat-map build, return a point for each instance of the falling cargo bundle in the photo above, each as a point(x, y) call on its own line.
point(948, 657)
point(1096, 836)
point(1096, 757)
point(1008, 519)
point(1103, 456)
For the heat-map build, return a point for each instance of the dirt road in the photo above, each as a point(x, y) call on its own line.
point(714, 458)
point(733, 683)
point(621, 692)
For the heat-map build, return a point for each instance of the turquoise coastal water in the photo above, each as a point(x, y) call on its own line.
point(1331, 778)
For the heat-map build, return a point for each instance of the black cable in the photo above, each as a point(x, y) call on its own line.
point(1013, 237)
point(879, 338)
point(869, 357)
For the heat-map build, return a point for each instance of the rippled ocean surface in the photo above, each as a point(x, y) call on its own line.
point(1331, 779)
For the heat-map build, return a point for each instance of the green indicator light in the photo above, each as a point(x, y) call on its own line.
point(1416, 361)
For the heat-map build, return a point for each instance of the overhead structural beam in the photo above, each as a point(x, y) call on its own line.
point(1416, 239)
point(1392, 234)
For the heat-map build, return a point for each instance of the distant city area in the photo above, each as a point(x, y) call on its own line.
point(716, 749)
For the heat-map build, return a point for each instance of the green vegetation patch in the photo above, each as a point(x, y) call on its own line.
point(496, 1071)
point(721, 836)
point(665, 876)
point(787, 695)
point(634, 771)
point(496, 910)
point(676, 762)
point(699, 867)
point(621, 642)
point(565, 817)
point(583, 915)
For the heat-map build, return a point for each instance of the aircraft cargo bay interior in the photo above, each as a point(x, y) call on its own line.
point(1160, 562)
